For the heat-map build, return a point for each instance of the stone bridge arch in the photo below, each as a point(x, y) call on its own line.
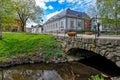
point(80, 53)
point(109, 48)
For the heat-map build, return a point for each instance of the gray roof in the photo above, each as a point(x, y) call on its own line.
point(36, 26)
point(70, 13)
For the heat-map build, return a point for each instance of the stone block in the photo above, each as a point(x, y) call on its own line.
point(116, 42)
point(110, 49)
point(109, 56)
point(118, 48)
point(104, 47)
point(109, 46)
point(118, 63)
point(118, 51)
point(103, 52)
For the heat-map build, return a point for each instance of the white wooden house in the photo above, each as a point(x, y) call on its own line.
point(67, 20)
point(37, 29)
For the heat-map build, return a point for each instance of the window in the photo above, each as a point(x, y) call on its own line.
point(53, 26)
point(71, 24)
point(62, 24)
point(56, 25)
point(79, 23)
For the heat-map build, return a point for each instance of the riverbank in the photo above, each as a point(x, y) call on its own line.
point(23, 48)
point(38, 57)
point(24, 44)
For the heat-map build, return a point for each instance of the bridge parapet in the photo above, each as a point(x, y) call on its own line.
point(110, 48)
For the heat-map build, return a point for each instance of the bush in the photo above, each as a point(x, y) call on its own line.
point(96, 77)
point(58, 54)
point(47, 55)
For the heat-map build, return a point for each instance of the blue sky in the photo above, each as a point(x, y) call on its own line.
point(53, 7)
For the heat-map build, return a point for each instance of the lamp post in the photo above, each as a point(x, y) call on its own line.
point(98, 29)
point(95, 26)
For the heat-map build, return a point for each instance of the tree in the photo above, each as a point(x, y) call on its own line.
point(26, 9)
point(92, 11)
point(6, 13)
point(109, 10)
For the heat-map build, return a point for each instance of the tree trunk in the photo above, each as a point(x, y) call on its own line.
point(0, 37)
point(0, 32)
point(23, 28)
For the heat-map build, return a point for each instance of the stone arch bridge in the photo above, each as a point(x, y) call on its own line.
point(108, 47)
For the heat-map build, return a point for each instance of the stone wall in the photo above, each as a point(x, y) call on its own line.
point(110, 48)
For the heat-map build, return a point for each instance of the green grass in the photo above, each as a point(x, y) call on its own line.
point(25, 43)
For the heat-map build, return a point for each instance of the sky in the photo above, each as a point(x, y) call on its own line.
point(53, 7)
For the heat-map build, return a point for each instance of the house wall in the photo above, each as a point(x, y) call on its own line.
point(87, 25)
point(75, 24)
point(57, 25)
point(28, 29)
point(36, 30)
point(71, 23)
point(61, 25)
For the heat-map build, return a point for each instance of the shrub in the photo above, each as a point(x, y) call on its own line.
point(47, 55)
point(58, 54)
point(96, 77)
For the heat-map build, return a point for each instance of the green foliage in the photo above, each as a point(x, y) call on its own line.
point(47, 55)
point(80, 31)
point(6, 12)
point(109, 11)
point(59, 54)
point(24, 43)
point(96, 77)
point(26, 9)
point(2, 59)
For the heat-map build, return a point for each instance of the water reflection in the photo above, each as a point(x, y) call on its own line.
point(63, 71)
point(31, 75)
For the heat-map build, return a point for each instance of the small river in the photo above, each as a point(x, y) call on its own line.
point(42, 71)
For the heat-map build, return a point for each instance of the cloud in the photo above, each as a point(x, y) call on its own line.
point(50, 7)
point(42, 3)
point(61, 1)
point(71, 0)
point(81, 5)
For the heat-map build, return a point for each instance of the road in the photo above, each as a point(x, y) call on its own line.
point(92, 36)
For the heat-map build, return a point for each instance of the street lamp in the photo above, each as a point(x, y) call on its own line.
point(98, 29)
point(95, 25)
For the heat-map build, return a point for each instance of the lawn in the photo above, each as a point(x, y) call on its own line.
point(25, 43)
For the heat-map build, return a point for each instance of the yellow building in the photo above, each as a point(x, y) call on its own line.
point(12, 26)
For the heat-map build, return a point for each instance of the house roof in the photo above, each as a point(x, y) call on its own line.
point(70, 13)
point(36, 26)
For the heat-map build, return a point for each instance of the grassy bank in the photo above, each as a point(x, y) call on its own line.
point(25, 43)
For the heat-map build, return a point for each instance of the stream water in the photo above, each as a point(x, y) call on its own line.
point(61, 71)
